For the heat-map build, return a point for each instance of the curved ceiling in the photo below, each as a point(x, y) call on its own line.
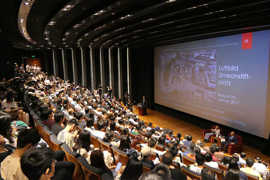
point(109, 23)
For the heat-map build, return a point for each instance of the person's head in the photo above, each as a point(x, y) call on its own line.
point(133, 170)
point(38, 164)
point(163, 171)
point(167, 158)
point(207, 174)
point(226, 160)
point(189, 138)
point(151, 176)
point(250, 162)
point(243, 155)
point(199, 159)
point(212, 149)
point(5, 128)
point(179, 135)
point(232, 133)
point(84, 140)
point(90, 123)
point(59, 155)
point(58, 117)
point(27, 137)
point(208, 157)
point(124, 143)
point(152, 142)
point(97, 159)
point(232, 175)
point(71, 124)
point(233, 164)
point(45, 114)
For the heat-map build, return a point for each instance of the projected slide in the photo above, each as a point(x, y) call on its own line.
point(221, 79)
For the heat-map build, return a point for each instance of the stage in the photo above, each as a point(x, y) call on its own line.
point(186, 128)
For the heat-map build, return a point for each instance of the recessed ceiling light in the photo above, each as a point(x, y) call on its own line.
point(27, 3)
point(64, 39)
point(68, 7)
point(46, 32)
point(86, 34)
point(76, 26)
point(46, 38)
point(67, 33)
point(170, 1)
point(51, 23)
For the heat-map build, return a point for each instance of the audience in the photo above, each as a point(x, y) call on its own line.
point(10, 166)
point(38, 164)
point(78, 116)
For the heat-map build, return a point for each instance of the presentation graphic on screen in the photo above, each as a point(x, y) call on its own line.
point(222, 79)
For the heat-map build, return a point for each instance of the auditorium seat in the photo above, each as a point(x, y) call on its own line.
point(218, 172)
point(190, 174)
point(187, 160)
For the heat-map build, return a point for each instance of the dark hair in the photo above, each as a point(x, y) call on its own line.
point(112, 126)
point(232, 175)
point(5, 128)
point(179, 135)
point(162, 171)
point(167, 158)
point(189, 138)
point(213, 149)
point(233, 164)
point(84, 140)
point(90, 123)
point(133, 170)
point(243, 155)
point(27, 136)
point(199, 159)
point(97, 161)
point(58, 117)
point(152, 142)
point(45, 113)
point(250, 162)
point(207, 174)
point(208, 157)
point(35, 162)
point(226, 160)
point(72, 122)
point(124, 143)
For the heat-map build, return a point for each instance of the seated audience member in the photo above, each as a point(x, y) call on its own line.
point(97, 161)
point(146, 157)
point(63, 169)
point(214, 131)
point(242, 159)
point(84, 142)
point(212, 151)
point(5, 134)
point(249, 170)
point(176, 173)
point(207, 174)
point(47, 117)
point(198, 166)
point(187, 141)
point(226, 161)
point(234, 171)
point(209, 162)
point(58, 125)
point(219, 155)
point(68, 134)
point(8, 103)
point(10, 166)
point(38, 164)
point(260, 167)
point(132, 171)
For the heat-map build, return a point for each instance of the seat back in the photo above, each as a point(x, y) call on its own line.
point(190, 174)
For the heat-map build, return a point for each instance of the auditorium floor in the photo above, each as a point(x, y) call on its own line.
point(178, 125)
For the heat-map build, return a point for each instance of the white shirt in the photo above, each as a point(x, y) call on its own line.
point(212, 164)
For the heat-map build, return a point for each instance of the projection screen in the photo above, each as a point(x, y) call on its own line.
point(222, 79)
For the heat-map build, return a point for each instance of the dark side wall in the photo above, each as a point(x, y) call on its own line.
point(142, 78)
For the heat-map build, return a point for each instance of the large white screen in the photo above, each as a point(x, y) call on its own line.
point(222, 79)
